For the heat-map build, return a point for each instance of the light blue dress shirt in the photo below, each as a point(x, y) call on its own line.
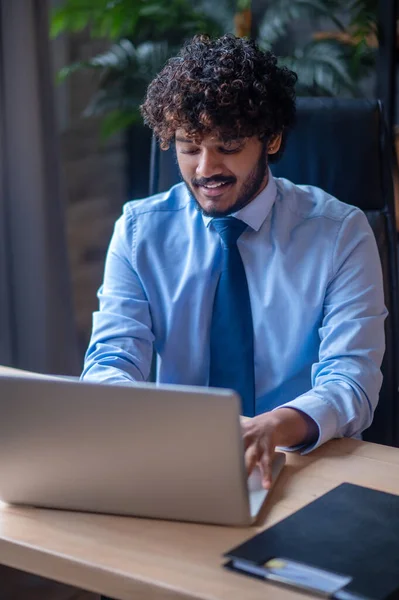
point(315, 283)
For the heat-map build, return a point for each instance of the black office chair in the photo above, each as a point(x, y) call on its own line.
point(341, 146)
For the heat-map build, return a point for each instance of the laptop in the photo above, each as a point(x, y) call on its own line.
point(146, 450)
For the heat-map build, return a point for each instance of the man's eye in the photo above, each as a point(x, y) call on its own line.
point(195, 151)
point(230, 150)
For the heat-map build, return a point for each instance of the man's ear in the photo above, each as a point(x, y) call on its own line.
point(274, 143)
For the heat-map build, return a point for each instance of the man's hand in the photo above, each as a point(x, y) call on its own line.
point(282, 427)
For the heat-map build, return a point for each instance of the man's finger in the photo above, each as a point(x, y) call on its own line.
point(266, 464)
point(248, 440)
point(251, 458)
point(247, 431)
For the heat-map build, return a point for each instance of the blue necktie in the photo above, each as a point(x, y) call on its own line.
point(232, 343)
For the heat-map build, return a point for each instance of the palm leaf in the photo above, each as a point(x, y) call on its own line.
point(127, 68)
point(115, 19)
point(322, 70)
point(243, 5)
point(118, 57)
point(151, 57)
point(124, 57)
point(124, 82)
point(105, 18)
point(222, 13)
point(364, 13)
point(325, 67)
point(282, 13)
point(118, 120)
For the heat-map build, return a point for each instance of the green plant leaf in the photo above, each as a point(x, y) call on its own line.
point(281, 13)
point(244, 5)
point(364, 14)
point(154, 10)
point(119, 57)
point(148, 32)
point(57, 24)
point(221, 13)
point(117, 121)
point(126, 71)
point(322, 70)
point(105, 18)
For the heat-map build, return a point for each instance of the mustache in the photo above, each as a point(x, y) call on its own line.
point(214, 179)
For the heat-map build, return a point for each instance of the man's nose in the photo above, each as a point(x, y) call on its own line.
point(209, 164)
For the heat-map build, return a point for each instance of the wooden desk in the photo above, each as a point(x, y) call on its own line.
point(128, 558)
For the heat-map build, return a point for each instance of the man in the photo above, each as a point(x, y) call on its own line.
point(238, 279)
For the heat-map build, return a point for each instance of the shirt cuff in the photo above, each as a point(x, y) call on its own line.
point(106, 375)
point(323, 415)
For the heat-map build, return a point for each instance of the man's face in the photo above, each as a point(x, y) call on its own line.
point(222, 177)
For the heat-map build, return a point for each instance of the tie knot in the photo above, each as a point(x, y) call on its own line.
point(229, 229)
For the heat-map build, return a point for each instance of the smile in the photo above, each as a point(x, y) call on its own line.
point(214, 189)
point(213, 185)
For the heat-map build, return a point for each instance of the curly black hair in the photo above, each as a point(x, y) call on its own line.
point(226, 85)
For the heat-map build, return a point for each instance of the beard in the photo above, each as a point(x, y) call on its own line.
point(248, 191)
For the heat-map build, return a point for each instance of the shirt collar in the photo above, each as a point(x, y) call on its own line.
point(255, 213)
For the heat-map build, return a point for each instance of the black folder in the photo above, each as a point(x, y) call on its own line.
point(343, 545)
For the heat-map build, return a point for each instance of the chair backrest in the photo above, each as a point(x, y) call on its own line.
point(342, 146)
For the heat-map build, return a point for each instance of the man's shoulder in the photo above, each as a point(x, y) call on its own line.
point(157, 218)
point(166, 203)
point(311, 202)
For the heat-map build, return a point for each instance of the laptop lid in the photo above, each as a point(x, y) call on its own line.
point(170, 452)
